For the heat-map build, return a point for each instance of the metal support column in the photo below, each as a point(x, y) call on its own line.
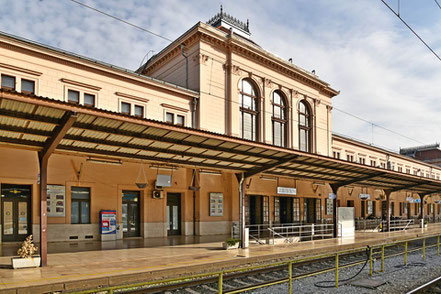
point(242, 211)
point(334, 189)
point(387, 192)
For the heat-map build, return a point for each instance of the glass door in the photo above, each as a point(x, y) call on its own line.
point(130, 213)
point(173, 214)
point(15, 205)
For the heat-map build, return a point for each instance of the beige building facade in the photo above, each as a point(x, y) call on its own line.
point(213, 78)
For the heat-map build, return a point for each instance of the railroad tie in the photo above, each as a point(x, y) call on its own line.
point(269, 276)
point(256, 280)
point(206, 287)
point(241, 282)
point(191, 291)
point(227, 286)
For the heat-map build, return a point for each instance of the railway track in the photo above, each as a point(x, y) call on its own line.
point(245, 280)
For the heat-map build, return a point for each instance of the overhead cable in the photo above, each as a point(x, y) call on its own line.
point(122, 20)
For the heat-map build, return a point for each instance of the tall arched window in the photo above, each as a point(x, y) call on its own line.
point(248, 110)
point(305, 130)
point(279, 119)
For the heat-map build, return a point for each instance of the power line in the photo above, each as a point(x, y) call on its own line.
point(437, 3)
point(122, 20)
point(398, 15)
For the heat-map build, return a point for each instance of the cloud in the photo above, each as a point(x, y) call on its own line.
point(384, 73)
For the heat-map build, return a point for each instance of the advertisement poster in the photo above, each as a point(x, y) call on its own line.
point(56, 195)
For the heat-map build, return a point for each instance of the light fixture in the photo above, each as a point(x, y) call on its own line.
point(103, 161)
point(210, 172)
point(268, 178)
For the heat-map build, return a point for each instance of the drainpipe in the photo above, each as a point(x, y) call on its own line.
point(194, 109)
point(186, 65)
point(194, 188)
point(242, 212)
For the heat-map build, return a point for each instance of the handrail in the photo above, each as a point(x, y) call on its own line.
point(289, 263)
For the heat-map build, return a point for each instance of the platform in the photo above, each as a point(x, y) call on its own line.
point(70, 271)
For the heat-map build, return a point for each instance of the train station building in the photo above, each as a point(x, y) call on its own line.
point(212, 133)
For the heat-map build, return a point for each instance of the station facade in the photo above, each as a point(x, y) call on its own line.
point(213, 78)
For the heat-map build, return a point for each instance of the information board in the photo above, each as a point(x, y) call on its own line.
point(216, 204)
point(56, 195)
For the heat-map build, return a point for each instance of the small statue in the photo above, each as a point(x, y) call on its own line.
point(27, 248)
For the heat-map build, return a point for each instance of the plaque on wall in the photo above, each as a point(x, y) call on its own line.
point(216, 204)
point(56, 195)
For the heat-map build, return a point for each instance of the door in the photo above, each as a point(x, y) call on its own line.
point(286, 210)
point(309, 210)
point(363, 208)
point(173, 214)
point(16, 210)
point(258, 209)
point(130, 213)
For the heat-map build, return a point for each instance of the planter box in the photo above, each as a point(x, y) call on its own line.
point(225, 246)
point(18, 262)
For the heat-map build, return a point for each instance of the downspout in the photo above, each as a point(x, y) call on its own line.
point(194, 112)
point(194, 188)
point(186, 65)
point(241, 212)
point(315, 126)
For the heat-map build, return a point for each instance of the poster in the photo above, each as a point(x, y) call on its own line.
point(56, 195)
point(216, 204)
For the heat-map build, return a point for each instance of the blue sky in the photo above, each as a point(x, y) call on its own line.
point(384, 73)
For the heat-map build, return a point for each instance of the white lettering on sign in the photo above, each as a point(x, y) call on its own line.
point(365, 196)
point(286, 191)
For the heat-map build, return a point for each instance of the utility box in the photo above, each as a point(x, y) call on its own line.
point(345, 222)
point(108, 225)
point(246, 238)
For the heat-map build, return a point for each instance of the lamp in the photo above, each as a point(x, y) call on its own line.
point(103, 161)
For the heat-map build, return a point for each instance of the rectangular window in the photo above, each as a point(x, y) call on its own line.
point(400, 169)
point(169, 118)
point(336, 154)
point(296, 210)
point(27, 86)
point(318, 210)
point(329, 206)
point(277, 210)
point(370, 207)
point(80, 205)
point(180, 120)
point(139, 111)
point(73, 96)
point(362, 160)
point(350, 157)
point(89, 100)
point(265, 209)
point(125, 108)
point(373, 163)
point(8, 82)
point(383, 165)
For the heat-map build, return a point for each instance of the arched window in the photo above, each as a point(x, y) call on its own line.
point(305, 130)
point(248, 110)
point(279, 119)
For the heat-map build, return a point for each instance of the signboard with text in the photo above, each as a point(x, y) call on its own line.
point(365, 196)
point(286, 191)
point(56, 195)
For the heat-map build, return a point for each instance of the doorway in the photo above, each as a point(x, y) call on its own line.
point(16, 212)
point(311, 210)
point(130, 213)
point(173, 214)
point(256, 209)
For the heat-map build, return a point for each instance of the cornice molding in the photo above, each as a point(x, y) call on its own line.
point(80, 84)
point(21, 69)
point(165, 105)
point(132, 97)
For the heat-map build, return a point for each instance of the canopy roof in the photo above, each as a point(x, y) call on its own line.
point(32, 122)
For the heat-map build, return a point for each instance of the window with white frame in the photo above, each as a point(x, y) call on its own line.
point(80, 96)
point(17, 83)
point(132, 108)
point(329, 206)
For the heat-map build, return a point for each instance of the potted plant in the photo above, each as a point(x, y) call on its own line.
point(231, 243)
point(26, 253)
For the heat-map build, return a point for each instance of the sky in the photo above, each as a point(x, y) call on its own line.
point(385, 75)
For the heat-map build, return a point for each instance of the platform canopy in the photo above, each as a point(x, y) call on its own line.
point(34, 122)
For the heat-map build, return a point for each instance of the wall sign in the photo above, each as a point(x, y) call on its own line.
point(332, 196)
point(216, 204)
point(56, 195)
point(417, 201)
point(365, 196)
point(409, 199)
point(286, 191)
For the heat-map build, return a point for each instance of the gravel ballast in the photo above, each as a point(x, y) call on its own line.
point(397, 278)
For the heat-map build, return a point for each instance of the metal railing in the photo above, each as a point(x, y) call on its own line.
point(367, 224)
point(297, 233)
point(377, 225)
point(289, 264)
point(260, 232)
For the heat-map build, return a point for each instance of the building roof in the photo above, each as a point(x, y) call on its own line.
point(94, 62)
